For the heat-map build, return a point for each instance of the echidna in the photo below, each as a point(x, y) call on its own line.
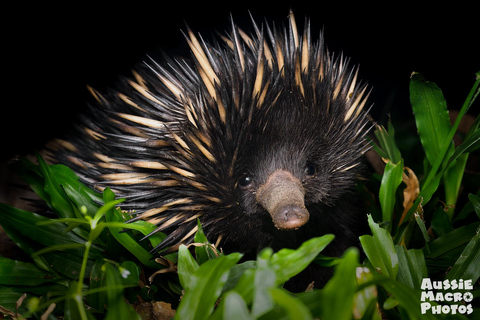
point(260, 137)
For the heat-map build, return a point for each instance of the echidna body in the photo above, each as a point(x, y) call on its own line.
point(259, 137)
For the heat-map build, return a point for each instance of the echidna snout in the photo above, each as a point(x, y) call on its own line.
point(282, 195)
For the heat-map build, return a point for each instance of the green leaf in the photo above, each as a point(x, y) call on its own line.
point(476, 203)
point(441, 223)
point(76, 191)
point(293, 306)
point(380, 250)
point(468, 264)
point(205, 287)
point(431, 116)
point(469, 145)
point(9, 297)
point(20, 273)
point(408, 298)
point(288, 262)
point(339, 291)
point(186, 267)
point(411, 267)
point(235, 307)
point(452, 240)
point(202, 253)
point(265, 279)
point(97, 299)
point(237, 272)
point(126, 240)
point(67, 263)
point(59, 200)
point(146, 228)
point(130, 272)
point(423, 229)
point(25, 223)
point(365, 299)
point(388, 148)
point(118, 308)
point(392, 177)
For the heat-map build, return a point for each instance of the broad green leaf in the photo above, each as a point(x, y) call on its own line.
point(202, 253)
point(186, 267)
point(97, 299)
point(406, 297)
point(130, 272)
point(78, 193)
point(468, 264)
point(288, 262)
point(146, 228)
point(380, 250)
point(365, 300)
point(235, 307)
point(392, 177)
point(205, 287)
point(237, 272)
point(434, 129)
point(20, 273)
point(388, 148)
point(67, 263)
point(118, 308)
point(59, 200)
point(411, 266)
point(453, 175)
point(9, 297)
point(476, 203)
point(265, 279)
point(244, 288)
point(469, 145)
point(25, 223)
point(339, 291)
point(124, 238)
point(431, 115)
point(441, 223)
point(423, 230)
point(452, 240)
point(293, 306)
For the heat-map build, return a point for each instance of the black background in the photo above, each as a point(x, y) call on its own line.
point(51, 53)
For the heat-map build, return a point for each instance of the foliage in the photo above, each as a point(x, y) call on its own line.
point(85, 261)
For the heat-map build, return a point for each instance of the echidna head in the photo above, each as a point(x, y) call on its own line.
point(259, 133)
point(294, 159)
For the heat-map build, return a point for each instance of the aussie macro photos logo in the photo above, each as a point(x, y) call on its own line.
point(446, 297)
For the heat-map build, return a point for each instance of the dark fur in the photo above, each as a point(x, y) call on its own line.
point(297, 128)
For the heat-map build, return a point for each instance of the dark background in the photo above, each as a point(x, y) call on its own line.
point(54, 52)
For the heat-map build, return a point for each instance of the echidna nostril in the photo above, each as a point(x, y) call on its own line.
point(293, 217)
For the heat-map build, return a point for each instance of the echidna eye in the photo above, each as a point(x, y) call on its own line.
point(310, 170)
point(245, 180)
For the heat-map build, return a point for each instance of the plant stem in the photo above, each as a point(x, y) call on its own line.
point(78, 293)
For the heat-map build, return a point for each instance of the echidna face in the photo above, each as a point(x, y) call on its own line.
point(291, 165)
point(258, 135)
